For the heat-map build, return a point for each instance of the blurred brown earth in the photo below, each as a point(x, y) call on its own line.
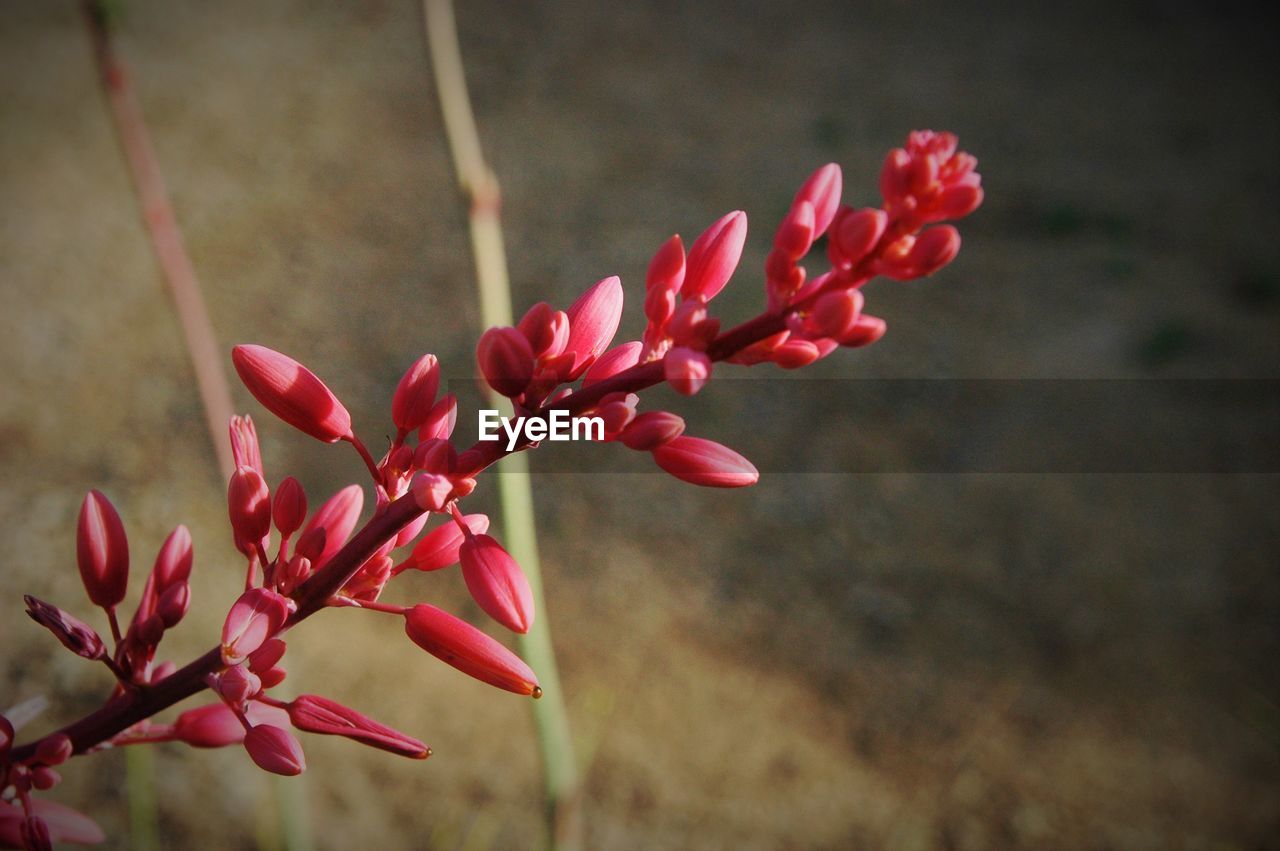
point(828, 660)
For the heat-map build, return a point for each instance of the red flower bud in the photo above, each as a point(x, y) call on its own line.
point(216, 726)
point(249, 506)
point(290, 507)
point(794, 354)
point(652, 429)
point(236, 685)
point(275, 749)
point(822, 190)
point(75, 635)
point(292, 392)
point(436, 455)
point(35, 834)
point(440, 422)
point(416, 394)
point(795, 234)
point(265, 657)
point(497, 583)
point(244, 443)
point(546, 329)
point(666, 269)
point(253, 618)
point(102, 551)
point(593, 320)
point(705, 462)
point(173, 604)
point(835, 312)
point(714, 257)
point(439, 547)
point(855, 234)
point(315, 714)
point(456, 642)
point(337, 517)
point(505, 360)
point(431, 491)
point(173, 562)
point(865, 331)
point(54, 750)
point(411, 530)
point(612, 362)
point(686, 370)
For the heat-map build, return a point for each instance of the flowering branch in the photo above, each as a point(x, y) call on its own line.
point(313, 561)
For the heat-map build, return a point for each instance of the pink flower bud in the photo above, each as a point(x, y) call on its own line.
point(436, 455)
point(249, 506)
point(794, 354)
point(666, 269)
point(933, 249)
point(62, 824)
point(855, 234)
point(244, 443)
point(546, 329)
point(102, 551)
point(431, 491)
point(659, 306)
point(315, 714)
point(440, 422)
point(310, 545)
point(652, 429)
point(410, 531)
point(958, 201)
point(865, 331)
point(35, 834)
point(686, 370)
point(255, 617)
point(795, 234)
point(440, 547)
point(690, 325)
point(290, 507)
point(54, 750)
point(275, 749)
point(456, 642)
point(497, 583)
point(617, 410)
point(714, 257)
point(705, 462)
point(173, 604)
point(44, 778)
point(236, 685)
point(593, 320)
point(75, 635)
point(822, 190)
point(173, 562)
point(265, 657)
point(337, 517)
point(369, 580)
point(506, 360)
point(292, 392)
point(216, 726)
point(612, 362)
point(416, 394)
point(835, 312)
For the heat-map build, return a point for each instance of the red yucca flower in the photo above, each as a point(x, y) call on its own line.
point(299, 560)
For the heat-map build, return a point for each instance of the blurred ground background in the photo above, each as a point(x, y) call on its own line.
point(826, 660)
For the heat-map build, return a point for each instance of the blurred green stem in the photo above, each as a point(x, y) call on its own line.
point(480, 185)
point(140, 777)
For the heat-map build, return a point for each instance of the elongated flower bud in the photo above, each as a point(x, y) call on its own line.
point(75, 635)
point(666, 269)
point(214, 725)
point(440, 547)
point(290, 507)
point(314, 714)
point(102, 551)
point(244, 443)
point(237, 684)
point(865, 331)
point(686, 370)
point(705, 462)
point(337, 517)
point(173, 562)
point(440, 422)
point(856, 232)
point(506, 360)
point(497, 583)
point(593, 320)
point(612, 362)
point(275, 749)
point(822, 190)
point(714, 257)
point(265, 657)
point(835, 312)
point(174, 603)
point(651, 429)
point(35, 834)
point(292, 392)
point(253, 618)
point(249, 505)
point(795, 234)
point(416, 394)
point(456, 642)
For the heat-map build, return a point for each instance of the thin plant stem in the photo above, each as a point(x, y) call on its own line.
point(478, 182)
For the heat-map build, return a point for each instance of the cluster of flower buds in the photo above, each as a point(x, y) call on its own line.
point(298, 561)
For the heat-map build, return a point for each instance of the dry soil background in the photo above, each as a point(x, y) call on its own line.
point(827, 660)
